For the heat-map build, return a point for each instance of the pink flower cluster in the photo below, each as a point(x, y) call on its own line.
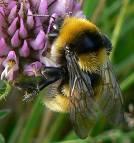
point(24, 25)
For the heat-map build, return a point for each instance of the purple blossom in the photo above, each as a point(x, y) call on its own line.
point(33, 69)
point(23, 34)
point(11, 65)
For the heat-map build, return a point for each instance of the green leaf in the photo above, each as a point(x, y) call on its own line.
point(2, 140)
point(3, 113)
point(4, 89)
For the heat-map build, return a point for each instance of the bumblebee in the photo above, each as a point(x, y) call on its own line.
point(83, 84)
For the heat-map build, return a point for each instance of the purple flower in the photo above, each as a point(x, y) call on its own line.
point(23, 34)
point(33, 69)
point(11, 65)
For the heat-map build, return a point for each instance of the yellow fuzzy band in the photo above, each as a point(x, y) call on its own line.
point(92, 61)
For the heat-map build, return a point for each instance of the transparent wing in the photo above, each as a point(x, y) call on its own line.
point(111, 100)
point(87, 105)
point(83, 109)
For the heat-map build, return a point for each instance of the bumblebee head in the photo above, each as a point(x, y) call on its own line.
point(84, 39)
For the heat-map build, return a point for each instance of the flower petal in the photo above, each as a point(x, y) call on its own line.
point(15, 41)
point(43, 9)
point(39, 42)
point(70, 5)
point(22, 31)
point(11, 56)
point(38, 25)
point(11, 4)
point(35, 3)
point(13, 14)
point(33, 69)
point(30, 20)
point(3, 47)
point(13, 27)
point(2, 22)
point(11, 66)
point(59, 7)
point(24, 51)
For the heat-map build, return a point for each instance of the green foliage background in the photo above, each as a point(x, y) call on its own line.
point(29, 122)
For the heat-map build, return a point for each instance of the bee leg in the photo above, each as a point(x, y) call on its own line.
point(31, 93)
point(51, 75)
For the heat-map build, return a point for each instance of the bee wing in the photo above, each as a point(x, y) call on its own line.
point(83, 109)
point(111, 100)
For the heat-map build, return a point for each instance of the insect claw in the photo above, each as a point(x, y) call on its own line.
point(29, 96)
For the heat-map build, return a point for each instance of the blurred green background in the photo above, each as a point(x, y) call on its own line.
point(31, 122)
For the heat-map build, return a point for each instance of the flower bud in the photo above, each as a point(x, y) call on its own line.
point(39, 42)
point(30, 20)
point(15, 41)
point(24, 51)
point(13, 14)
point(2, 22)
point(22, 31)
point(13, 27)
point(3, 47)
